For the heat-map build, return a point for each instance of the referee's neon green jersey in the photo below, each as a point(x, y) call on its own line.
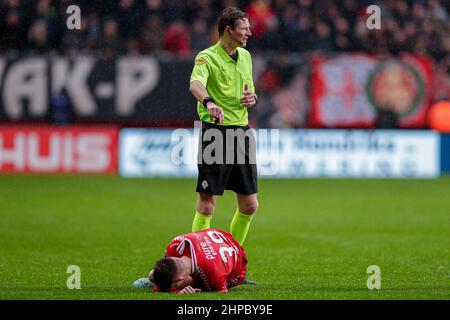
point(224, 80)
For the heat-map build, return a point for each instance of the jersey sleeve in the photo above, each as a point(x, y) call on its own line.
point(200, 71)
point(251, 84)
point(173, 249)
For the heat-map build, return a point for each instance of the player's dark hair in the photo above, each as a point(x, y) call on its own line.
point(228, 17)
point(164, 273)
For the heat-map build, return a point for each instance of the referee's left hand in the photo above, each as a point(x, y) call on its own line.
point(249, 99)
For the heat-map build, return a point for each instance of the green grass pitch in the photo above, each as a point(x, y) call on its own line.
point(311, 239)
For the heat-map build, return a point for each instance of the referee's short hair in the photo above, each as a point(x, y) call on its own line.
point(228, 17)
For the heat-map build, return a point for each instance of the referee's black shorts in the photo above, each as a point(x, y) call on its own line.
point(237, 170)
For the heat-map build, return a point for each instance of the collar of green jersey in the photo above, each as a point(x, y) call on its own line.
point(225, 54)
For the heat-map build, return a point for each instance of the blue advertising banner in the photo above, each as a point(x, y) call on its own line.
point(291, 153)
point(445, 153)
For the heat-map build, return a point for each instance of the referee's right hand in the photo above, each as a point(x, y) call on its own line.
point(215, 112)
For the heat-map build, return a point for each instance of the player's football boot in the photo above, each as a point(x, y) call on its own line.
point(142, 283)
point(247, 281)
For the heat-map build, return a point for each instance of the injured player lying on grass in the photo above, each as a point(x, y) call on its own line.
point(207, 260)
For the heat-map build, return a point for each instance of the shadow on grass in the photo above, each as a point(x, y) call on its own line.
point(86, 289)
point(274, 292)
point(240, 289)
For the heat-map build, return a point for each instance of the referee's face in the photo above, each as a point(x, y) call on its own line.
point(241, 32)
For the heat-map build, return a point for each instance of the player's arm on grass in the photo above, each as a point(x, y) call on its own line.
point(189, 290)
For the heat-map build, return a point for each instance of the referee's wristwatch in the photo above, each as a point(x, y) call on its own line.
point(206, 100)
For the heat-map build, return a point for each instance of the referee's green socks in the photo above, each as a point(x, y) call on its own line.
point(240, 225)
point(201, 222)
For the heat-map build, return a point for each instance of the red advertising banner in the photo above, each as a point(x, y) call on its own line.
point(50, 149)
point(350, 90)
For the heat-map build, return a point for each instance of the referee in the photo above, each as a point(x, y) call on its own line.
point(222, 83)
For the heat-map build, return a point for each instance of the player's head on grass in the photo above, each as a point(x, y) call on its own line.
point(172, 273)
point(234, 27)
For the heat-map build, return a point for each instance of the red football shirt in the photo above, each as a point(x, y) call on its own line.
point(218, 261)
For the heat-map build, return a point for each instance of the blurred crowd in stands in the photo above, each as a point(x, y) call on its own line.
point(183, 27)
